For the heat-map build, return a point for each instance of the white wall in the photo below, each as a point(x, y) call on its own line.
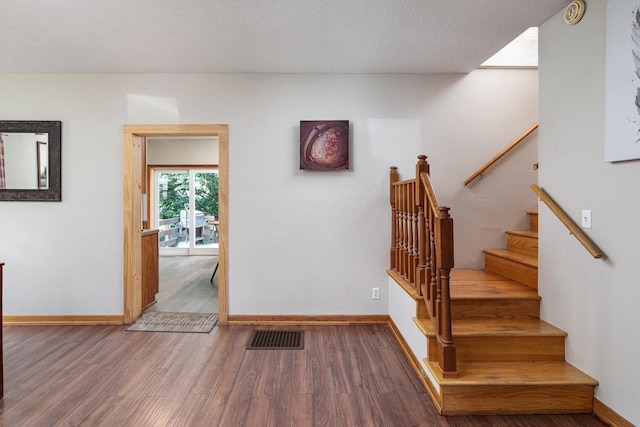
point(595, 301)
point(300, 242)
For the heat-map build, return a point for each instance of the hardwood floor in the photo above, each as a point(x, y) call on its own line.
point(105, 376)
point(185, 285)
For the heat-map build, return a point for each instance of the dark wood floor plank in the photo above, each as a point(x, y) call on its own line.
point(412, 400)
point(394, 410)
point(104, 376)
point(200, 410)
point(267, 379)
point(242, 392)
point(188, 414)
point(301, 411)
point(371, 403)
point(370, 355)
point(346, 378)
point(324, 397)
point(302, 373)
point(259, 411)
point(350, 413)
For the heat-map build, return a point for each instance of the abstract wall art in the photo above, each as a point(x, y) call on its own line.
point(622, 82)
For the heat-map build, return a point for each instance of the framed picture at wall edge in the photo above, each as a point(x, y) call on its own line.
point(622, 81)
point(324, 144)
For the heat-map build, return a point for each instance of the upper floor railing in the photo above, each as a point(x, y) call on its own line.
point(422, 251)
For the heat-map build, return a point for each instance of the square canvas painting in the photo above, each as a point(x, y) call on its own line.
point(324, 144)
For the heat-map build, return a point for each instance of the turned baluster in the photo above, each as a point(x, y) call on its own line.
point(416, 240)
point(394, 177)
point(411, 234)
point(403, 243)
point(428, 224)
point(421, 262)
point(407, 233)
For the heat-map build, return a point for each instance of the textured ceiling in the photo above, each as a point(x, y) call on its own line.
point(269, 36)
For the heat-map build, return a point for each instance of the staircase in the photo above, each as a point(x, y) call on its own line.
point(509, 361)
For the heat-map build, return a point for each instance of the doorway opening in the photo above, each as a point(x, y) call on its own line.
point(184, 209)
point(137, 210)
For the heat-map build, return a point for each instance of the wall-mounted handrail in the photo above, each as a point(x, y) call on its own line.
point(500, 154)
point(568, 222)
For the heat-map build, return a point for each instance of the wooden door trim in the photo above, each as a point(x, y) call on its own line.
point(133, 174)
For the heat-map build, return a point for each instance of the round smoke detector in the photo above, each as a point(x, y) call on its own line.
point(574, 12)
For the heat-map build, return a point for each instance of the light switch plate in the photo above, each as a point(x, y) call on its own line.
point(586, 218)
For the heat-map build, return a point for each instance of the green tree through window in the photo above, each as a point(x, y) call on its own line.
point(207, 193)
point(176, 195)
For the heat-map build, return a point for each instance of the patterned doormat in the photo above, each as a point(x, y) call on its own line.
point(157, 321)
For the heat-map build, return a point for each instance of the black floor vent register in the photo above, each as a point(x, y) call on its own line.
point(277, 340)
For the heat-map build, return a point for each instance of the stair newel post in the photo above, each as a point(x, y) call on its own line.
point(433, 284)
point(444, 242)
point(427, 254)
point(420, 199)
point(394, 177)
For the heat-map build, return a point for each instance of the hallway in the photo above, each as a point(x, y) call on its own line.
point(185, 285)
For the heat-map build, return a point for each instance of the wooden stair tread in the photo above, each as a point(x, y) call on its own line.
point(518, 257)
point(425, 326)
point(525, 233)
point(514, 373)
point(491, 289)
point(494, 328)
point(514, 327)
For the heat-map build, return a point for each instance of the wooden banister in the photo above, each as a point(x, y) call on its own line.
point(431, 194)
point(500, 155)
point(422, 252)
point(593, 249)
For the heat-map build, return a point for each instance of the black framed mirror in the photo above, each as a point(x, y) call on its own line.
point(30, 161)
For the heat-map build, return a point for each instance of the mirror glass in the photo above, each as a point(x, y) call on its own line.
point(30, 167)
